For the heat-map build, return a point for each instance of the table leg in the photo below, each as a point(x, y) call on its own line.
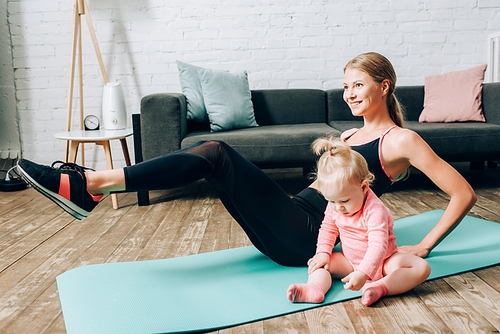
point(73, 151)
point(109, 163)
point(125, 151)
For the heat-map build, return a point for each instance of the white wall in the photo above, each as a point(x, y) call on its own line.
point(281, 43)
point(10, 144)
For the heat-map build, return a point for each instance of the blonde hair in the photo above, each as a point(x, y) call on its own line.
point(380, 68)
point(339, 165)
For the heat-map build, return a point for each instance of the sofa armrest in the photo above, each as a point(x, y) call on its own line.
point(142, 196)
point(163, 123)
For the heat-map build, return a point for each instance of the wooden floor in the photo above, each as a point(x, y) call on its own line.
point(38, 242)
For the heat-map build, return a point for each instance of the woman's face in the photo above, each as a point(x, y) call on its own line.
point(362, 93)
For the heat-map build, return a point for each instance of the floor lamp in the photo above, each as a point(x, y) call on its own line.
point(80, 9)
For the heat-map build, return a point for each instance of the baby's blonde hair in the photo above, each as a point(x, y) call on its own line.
point(339, 165)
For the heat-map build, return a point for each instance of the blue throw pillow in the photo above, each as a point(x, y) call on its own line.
point(191, 88)
point(228, 100)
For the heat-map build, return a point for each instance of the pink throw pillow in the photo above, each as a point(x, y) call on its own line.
point(454, 97)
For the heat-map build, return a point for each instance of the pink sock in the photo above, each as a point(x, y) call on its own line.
point(372, 292)
point(306, 293)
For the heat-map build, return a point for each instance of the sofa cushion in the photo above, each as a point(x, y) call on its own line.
point(463, 141)
point(269, 144)
point(227, 99)
point(289, 106)
point(191, 88)
point(412, 100)
point(454, 96)
point(338, 110)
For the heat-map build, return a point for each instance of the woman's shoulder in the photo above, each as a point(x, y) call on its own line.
point(346, 134)
point(404, 143)
point(403, 137)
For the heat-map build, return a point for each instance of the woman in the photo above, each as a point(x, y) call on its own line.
point(369, 87)
point(283, 228)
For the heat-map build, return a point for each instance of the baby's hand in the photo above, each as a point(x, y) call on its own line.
point(320, 260)
point(355, 280)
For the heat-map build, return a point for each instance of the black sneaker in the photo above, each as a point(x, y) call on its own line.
point(65, 185)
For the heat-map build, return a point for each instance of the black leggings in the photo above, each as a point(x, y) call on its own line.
point(283, 228)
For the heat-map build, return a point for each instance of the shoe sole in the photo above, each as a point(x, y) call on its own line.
point(62, 202)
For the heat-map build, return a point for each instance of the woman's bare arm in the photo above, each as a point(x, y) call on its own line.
point(462, 197)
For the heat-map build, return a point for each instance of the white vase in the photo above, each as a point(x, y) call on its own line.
point(114, 114)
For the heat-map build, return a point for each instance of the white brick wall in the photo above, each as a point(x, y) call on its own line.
point(281, 43)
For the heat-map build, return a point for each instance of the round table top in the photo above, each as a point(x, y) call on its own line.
point(97, 135)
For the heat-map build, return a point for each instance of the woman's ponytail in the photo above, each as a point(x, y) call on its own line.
point(396, 111)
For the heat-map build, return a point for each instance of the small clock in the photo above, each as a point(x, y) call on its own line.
point(91, 123)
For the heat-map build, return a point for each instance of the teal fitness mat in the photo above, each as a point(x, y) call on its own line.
point(210, 291)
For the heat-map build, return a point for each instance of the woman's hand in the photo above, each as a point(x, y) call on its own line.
point(320, 260)
point(417, 250)
point(355, 280)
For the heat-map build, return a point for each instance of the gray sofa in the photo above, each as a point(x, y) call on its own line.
point(290, 119)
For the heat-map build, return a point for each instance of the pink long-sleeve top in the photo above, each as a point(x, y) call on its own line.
point(367, 238)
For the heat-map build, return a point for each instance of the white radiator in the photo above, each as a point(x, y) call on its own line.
point(9, 154)
point(493, 70)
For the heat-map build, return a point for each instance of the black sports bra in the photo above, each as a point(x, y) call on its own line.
point(371, 152)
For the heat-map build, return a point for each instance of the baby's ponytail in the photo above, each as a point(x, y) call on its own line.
point(338, 164)
point(332, 146)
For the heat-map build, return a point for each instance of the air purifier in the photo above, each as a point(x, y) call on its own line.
point(114, 114)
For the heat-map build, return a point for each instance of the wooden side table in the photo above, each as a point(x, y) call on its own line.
point(99, 137)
